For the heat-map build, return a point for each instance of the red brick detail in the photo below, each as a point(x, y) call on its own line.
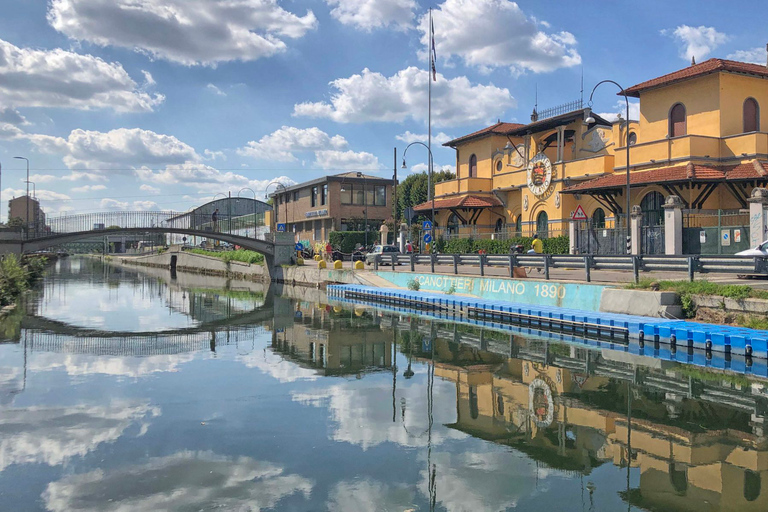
point(459, 202)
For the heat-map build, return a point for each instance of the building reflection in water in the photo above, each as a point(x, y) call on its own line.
point(695, 436)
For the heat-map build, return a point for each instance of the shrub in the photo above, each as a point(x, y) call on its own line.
point(414, 285)
point(554, 245)
point(346, 241)
point(242, 255)
point(13, 279)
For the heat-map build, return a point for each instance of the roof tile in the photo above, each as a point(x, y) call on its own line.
point(459, 202)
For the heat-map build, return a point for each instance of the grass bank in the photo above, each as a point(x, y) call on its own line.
point(16, 276)
point(241, 255)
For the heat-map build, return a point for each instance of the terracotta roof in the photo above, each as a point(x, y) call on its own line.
point(459, 202)
point(498, 128)
point(704, 68)
point(680, 173)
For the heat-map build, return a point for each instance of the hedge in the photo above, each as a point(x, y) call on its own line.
point(554, 245)
point(346, 241)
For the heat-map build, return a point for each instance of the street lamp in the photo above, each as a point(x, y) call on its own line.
point(254, 207)
point(27, 160)
point(277, 185)
point(430, 192)
point(590, 120)
point(34, 195)
point(365, 201)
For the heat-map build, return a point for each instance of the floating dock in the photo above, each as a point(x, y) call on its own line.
point(615, 328)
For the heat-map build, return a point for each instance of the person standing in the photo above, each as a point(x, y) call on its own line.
point(329, 251)
point(537, 247)
point(215, 219)
point(408, 247)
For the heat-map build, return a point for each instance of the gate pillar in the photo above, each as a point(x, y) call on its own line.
point(572, 237)
point(673, 226)
point(758, 216)
point(635, 224)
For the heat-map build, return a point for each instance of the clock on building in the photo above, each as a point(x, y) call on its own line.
point(539, 175)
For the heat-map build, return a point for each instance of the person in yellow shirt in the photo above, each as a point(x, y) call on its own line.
point(536, 245)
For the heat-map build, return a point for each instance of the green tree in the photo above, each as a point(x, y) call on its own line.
point(413, 189)
point(15, 223)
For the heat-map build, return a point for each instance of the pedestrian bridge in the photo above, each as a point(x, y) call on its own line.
point(243, 231)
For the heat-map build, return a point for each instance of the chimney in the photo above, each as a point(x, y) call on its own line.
point(690, 171)
point(766, 51)
point(693, 60)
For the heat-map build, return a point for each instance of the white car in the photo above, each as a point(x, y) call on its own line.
point(760, 250)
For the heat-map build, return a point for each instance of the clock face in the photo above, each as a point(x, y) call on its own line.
point(539, 175)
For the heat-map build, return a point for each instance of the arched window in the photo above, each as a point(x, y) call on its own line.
point(453, 224)
point(542, 225)
point(751, 115)
point(598, 218)
point(499, 225)
point(632, 138)
point(677, 122)
point(472, 166)
point(474, 410)
point(678, 477)
point(499, 166)
point(752, 485)
point(653, 213)
point(519, 226)
point(500, 404)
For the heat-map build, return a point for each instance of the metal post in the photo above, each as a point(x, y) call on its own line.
point(412, 262)
point(546, 266)
point(586, 269)
point(481, 259)
point(691, 267)
point(432, 261)
point(511, 268)
point(636, 268)
point(456, 264)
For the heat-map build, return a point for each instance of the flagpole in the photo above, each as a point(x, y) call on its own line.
point(430, 70)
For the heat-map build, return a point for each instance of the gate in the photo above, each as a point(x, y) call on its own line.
point(599, 240)
point(713, 232)
point(652, 240)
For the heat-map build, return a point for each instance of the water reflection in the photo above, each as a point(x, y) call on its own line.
point(251, 398)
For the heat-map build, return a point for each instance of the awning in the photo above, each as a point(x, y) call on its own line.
point(468, 202)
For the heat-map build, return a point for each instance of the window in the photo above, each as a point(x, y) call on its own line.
point(287, 198)
point(368, 194)
point(324, 194)
point(380, 198)
point(519, 225)
point(499, 166)
point(598, 219)
point(343, 225)
point(499, 226)
point(677, 123)
point(651, 206)
point(346, 194)
point(751, 485)
point(314, 197)
point(472, 166)
point(542, 225)
point(474, 410)
point(632, 138)
point(453, 224)
point(358, 195)
point(295, 195)
point(751, 116)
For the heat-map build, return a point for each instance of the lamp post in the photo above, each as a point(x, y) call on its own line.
point(34, 196)
point(27, 160)
point(430, 192)
point(266, 196)
point(365, 201)
point(590, 120)
point(254, 207)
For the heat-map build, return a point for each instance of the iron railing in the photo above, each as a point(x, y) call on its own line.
point(742, 265)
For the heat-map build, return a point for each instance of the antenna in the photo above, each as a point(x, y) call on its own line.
point(581, 94)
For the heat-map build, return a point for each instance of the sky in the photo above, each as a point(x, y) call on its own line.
point(166, 104)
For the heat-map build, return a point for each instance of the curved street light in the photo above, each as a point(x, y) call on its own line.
point(254, 207)
point(266, 196)
point(430, 192)
point(27, 160)
point(590, 120)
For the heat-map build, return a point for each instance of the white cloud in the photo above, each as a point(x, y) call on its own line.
point(371, 96)
point(113, 204)
point(205, 177)
point(9, 131)
point(346, 160)
point(185, 481)
point(149, 81)
point(755, 55)
point(215, 90)
point(621, 108)
point(497, 33)
point(408, 137)
point(149, 188)
point(213, 155)
point(190, 32)
point(89, 188)
point(116, 150)
point(420, 167)
point(281, 144)
point(43, 178)
point(371, 14)
point(42, 195)
point(366, 495)
point(696, 42)
point(59, 78)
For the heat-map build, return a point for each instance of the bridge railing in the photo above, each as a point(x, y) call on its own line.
point(103, 223)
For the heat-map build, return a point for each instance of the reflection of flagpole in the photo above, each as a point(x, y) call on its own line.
point(432, 71)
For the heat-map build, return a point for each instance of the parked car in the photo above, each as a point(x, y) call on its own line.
point(760, 250)
point(381, 250)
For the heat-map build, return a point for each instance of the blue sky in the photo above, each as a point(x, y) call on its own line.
point(121, 104)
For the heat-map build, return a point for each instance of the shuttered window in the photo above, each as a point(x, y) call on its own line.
point(472, 166)
point(677, 122)
point(751, 116)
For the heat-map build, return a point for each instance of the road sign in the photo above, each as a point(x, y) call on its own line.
point(725, 237)
point(281, 228)
point(426, 226)
point(736, 236)
point(579, 214)
point(427, 238)
point(299, 247)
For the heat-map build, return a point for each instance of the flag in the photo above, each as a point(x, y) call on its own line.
point(433, 53)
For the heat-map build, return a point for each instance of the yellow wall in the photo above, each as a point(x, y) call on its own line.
point(734, 89)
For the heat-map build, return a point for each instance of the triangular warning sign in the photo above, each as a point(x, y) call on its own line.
point(579, 214)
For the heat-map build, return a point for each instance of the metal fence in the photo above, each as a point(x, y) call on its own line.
point(591, 239)
point(740, 265)
point(493, 232)
point(715, 231)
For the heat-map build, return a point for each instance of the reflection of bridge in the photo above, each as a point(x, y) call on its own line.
point(70, 228)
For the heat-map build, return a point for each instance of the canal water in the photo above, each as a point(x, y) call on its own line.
point(124, 389)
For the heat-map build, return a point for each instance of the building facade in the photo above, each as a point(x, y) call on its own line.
point(28, 210)
point(342, 202)
point(700, 136)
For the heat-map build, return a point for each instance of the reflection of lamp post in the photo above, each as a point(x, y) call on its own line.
point(590, 120)
point(27, 160)
point(266, 196)
point(430, 192)
point(254, 207)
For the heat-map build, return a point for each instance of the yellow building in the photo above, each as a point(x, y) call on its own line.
point(700, 136)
